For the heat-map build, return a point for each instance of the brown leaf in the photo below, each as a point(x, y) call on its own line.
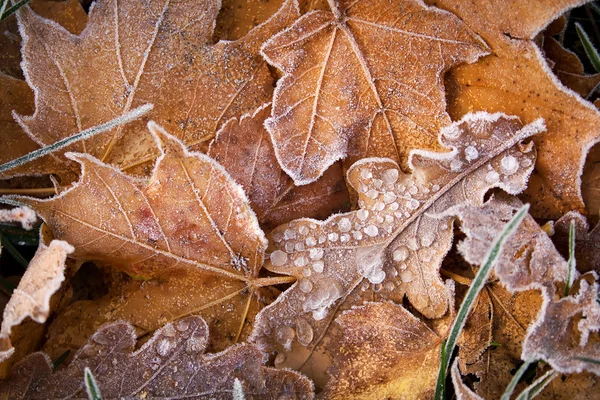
point(586, 241)
point(516, 80)
point(383, 352)
point(244, 147)
point(69, 14)
point(171, 364)
point(142, 52)
point(529, 261)
point(347, 94)
point(462, 391)
point(238, 17)
point(397, 239)
point(31, 299)
point(189, 221)
point(590, 183)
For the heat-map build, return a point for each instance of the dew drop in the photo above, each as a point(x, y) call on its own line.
point(389, 197)
point(278, 258)
point(509, 165)
point(379, 206)
point(471, 153)
point(279, 358)
point(344, 238)
point(394, 206)
point(315, 253)
point(333, 237)
point(427, 238)
point(362, 214)
point(390, 176)
point(455, 165)
point(322, 239)
point(304, 332)
point(366, 174)
point(285, 335)
point(344, 225)
point(371, 230)
point(289, 234)
point(357, 235)
point(300, 262)
point(307, 272)
point(305, 285)
point(194, 345)
point(163, 347)
point(303, 230)
point(435, 187)
point(407, 276)
point(492, 177)
point(413, 204)
point(372, 194)
point(400, 254)
point(413, 190)
point(289, 247)
point(318, 266)
point(183, 326)
point(311, 241)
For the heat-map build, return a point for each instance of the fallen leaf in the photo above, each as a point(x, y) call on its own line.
point(68, 14)
point(171, 364)
point(383, 352)
point(245, 148)
point(156, 52)
point(462, 391)
point(516, 80)
point(238, 17)
point(21, 215)
point(189, 221)
point(395, 242)
point(364, 79)
point(590, 183)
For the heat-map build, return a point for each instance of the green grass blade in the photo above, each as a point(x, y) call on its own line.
point(595, 7)
point(13, 251)
point(238, 391)
point(515, 380)
point(91, 386)
point(60, 359)
point(86, 134)
point(589, 48)
point(571, 263)
point(12, 10)
point(2, 8)
point(589, 360)
point(536, 387)
point(476, 286)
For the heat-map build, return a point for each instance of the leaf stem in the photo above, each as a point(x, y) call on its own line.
point(477, 285)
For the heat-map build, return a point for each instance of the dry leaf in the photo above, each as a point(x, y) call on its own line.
point(142, 52)
point(171, 364)
point(245, 148)
point(383, 352)
point(461, 390)
point(191, 220)
point(238, 17)
point(516, 80)
point(395, 242)
point(590, 183)
point(586, 241)
point(31, 299)
point(364, 79)
point(22, 215)
point(68, 14)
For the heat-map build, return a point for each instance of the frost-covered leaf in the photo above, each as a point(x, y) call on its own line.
point(561, 332)
point(170, 365)
point(590, 181)
point(586, 241)
point(189, 220)
point(244, 147)
point(383, 352)
point(31, 299)
point(395, 242)
point(156, 52)
point(462, 391)
point(363, 80)
point(516, 80)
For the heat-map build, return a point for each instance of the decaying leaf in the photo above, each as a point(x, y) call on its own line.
point(190, 220)
point(530, 261)
point(31, 299)
point(171, 364)
point(140, 52)
point(516, 79)
point(245, 147)
point(363, 80)
point(395, 242)
point(383, 352)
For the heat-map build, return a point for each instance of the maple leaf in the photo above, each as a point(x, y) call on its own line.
point(529, 261)
point(170, 364)
point(363, 79)
point(160, 52)
point(245, 148)
point(31, 299)
point(395, 242)
point(189, 221)
point(383, 352)
point(516, 80)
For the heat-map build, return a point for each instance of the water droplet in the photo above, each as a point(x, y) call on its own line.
point(322, 239)
point(413, 190)
point(435, 187)
point(372, 194)
point(413, 204)
point(427, 238)
point(300, 262)
point(305, 285)
point(390, 176)
point(389, 285)
point(279, 358)
point(304, 331)
point(333, 237)
point(289, 234)
point(400, 188)
point(183, 326)
point(168, 331)
point(455, 165)
point(285, 335)
point(278, 258)
point(366, 174)
point(163, 347)
point(394, 206)
point(389, 197)
point(471, 153)
point(318, 266)
point(526, 163)
point(315, 253)
point(289, 247)
point(307, 272)
point(400, 254)
point(362, 214)
point(492, 177)
point(377, 276)
point(407, 276)
point(371, 230)
point(357, 235)
point(509, 165)
point(303, 230)
point(299, 246)
point(344, 225)
point(344, 238)
point(194, 345)
point(379, 206)
point(311, 241)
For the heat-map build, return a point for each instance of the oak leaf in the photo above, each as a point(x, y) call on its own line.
point(140, 52)
point(516, 80)
point(189, 221)
point(363, 79)
point(383, 352)
point(394, 243)
point(244, 147)
point(171, 363)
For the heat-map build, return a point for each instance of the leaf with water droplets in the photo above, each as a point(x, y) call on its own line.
point(189, 221)
point(172, 363)
point(244, 147)
point(363, 80)
point(157, 52)
point(516, 80)
point(395, 242)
